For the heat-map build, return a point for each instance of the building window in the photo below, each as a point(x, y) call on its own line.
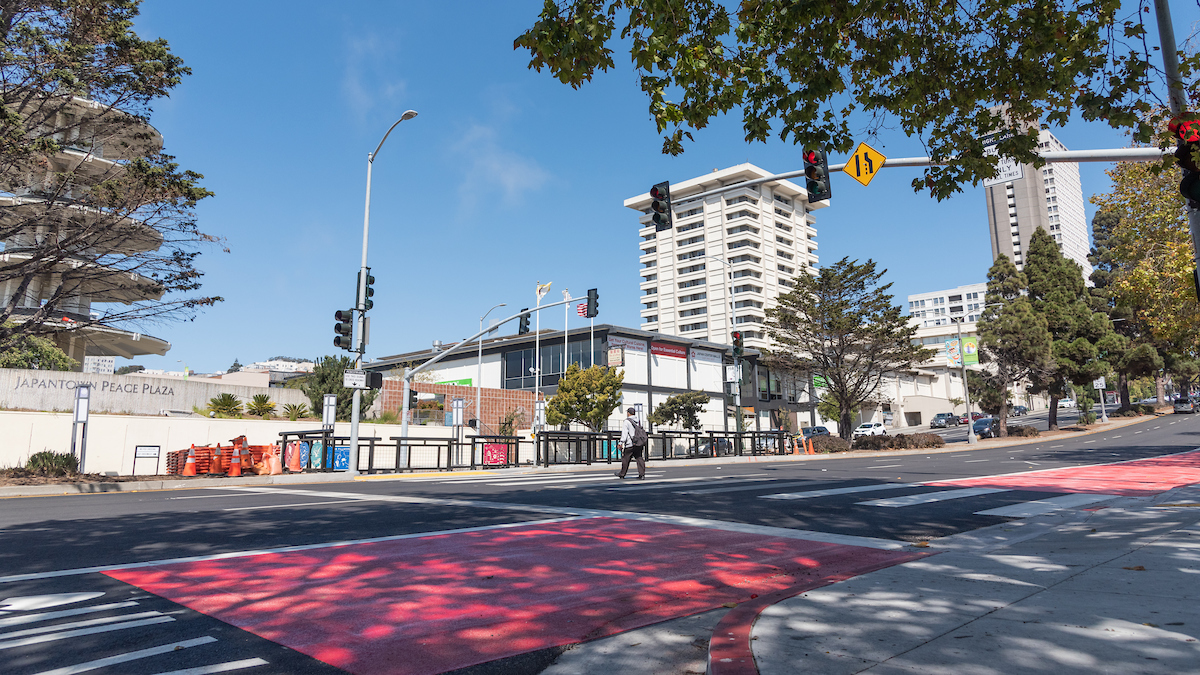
point(650, 291)
point(741, 200)
point(785, 256)
point(747, 288)
point(693, 326)
point(693, 297)
point(650, 319)
point(650, 277)
point(785, 228)
point(648, 251)
point(693, 282)
point(694, 312)
point(747, 273)
point(690, 240)
point(741, 228)
point(741, 214)
point(691, 254)
point(783, 200)
point(651, 304)
point(691, 268)
point(783, 240)
point(747, 303)
point(743, 243)
point(745, 257)
point(690, 226)
point(785, 269)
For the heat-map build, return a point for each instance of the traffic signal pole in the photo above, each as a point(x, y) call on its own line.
point(1175, 95)
point(409, 373)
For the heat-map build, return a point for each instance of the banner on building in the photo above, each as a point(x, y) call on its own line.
point(968, 353)
point(704, 356)
point(631, 345)
point(616, 357)
point(663, 349)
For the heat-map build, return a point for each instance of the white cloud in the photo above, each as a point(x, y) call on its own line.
point(366, 81)
point(490, 168)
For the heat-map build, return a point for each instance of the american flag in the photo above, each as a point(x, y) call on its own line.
point(581, 309)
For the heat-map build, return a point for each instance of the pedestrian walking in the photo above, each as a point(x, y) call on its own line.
point(633, 445)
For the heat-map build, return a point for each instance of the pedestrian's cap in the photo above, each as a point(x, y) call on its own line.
point(632, 411)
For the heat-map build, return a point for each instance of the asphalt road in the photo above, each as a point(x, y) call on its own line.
point(49, 544)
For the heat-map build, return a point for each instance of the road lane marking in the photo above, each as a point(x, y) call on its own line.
point(1055, 446)
point(235, 494)
point(285, 506)
point(1158, 427)
point(130, 656)
point(218, 667)
point(1040, 506)
point(885, 466)
point(51, 637)
point(930, 497)
point(839, 491)
point(1086, 442)
point(970, 461)
point(1116, 437)
point(77, 624)
point(743, 488)
point(47, 616)
point(673, 482)
point(554, 481)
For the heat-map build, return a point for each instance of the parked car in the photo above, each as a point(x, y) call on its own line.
point(986, 427)
point(1185, 405)
point(869, 429)
point(943, 420)
point(1152, 400)
point(963, 419)
point(978, 416)
point(1066, 403)
point(809, 432)
point(1019, 410)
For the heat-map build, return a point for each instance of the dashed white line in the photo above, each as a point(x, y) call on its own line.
point(930, 497)
point(885, 466)
point(47, 616)
point(1115, 437)
point(76, 624)
point(838, 491)
point(1137, 432)
point(1086, 442)
point(1055, 446)
point(131, 656)
point(970, 461)
point(284, 506)
point(1158, 427)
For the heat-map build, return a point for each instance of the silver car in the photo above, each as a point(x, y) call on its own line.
point(1185, 404)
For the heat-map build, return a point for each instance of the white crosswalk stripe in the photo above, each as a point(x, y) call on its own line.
point(1039, 506)
point(667, 483)
point(841, 491)
point(930, 497)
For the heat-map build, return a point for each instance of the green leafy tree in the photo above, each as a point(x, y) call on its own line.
point(235, 368)
point(586, 396)
point(681, 410)
point(125, 370)
point(1014, 339)
point(807, 69)
point(140, 204)
point(1057, 293)
point(842, 324)
point(34, 353)
point(987, 391)
point(326, 378)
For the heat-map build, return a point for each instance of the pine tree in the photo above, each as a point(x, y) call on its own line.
point(586, 396)
point(1013, 337)
point(1057, 293)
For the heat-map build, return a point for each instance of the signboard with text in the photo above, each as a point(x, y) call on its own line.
point(968, 353)
point(662, 349)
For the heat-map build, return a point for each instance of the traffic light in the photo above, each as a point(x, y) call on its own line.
point(523, 327)
point(374, 380)
point(816, 170)
point(738, 347)
point(1187, 130)
point(660, 205)
point(366, 302)
point(344, 329)
point(593, 303)
point(412, 399)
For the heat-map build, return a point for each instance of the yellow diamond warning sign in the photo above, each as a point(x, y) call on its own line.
point(864, 163)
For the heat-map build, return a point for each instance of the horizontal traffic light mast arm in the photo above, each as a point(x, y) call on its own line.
point(1068, 156)
point(467, 341)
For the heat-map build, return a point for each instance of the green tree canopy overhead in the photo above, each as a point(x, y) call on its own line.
point(681, 409)
point(586, 396)
point(326, 378)
point(932, 69)
point(1013, 338)
point(842, 325)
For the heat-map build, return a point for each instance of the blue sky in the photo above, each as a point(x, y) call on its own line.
point(506, 178)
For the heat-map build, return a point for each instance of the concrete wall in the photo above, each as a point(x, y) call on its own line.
point(112, 438)
point(53, 390)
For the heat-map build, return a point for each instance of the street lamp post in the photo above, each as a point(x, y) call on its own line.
point(360, 314)
point(962, 361)
point(479, 374)
point(737, 360)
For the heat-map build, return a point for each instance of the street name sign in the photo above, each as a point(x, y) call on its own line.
point(865, 163)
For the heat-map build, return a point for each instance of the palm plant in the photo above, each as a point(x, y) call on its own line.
point(226, 405)
point(295, 411)
point(262, 406)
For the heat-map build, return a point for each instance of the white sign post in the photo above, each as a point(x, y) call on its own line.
point(329, 410)
point(354, 379)
point(1099, 383)
point(1007, 169)
point(83, 397)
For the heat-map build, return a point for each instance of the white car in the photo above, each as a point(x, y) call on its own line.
point(869, 429)
point(1066, 403)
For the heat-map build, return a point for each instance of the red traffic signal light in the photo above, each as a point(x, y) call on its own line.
point(816, 171)
point(737, 343)
point(660, 205)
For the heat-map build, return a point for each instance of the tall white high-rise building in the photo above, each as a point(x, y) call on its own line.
point(1051, 198)
point(762, 236)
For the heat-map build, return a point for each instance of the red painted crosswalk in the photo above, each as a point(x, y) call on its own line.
point(1132, 479)
point(432, 604)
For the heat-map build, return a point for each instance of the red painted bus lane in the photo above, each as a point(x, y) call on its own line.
point(437, 603)
point(1136, 478)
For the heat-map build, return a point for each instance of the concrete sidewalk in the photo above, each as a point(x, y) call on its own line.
point(1114, 590)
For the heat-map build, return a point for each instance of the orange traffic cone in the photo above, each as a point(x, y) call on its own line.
point(217, 464)
point(189, 469)
point(235, 464)
point(294, 457)
point(812, 446)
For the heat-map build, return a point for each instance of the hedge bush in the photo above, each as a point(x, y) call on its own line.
point(49, 463)
point(830, 444)
point(872, 443)
point(1023, 430)
point(918, 441)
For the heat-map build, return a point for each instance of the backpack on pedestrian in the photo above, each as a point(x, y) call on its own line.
point(639, 435)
